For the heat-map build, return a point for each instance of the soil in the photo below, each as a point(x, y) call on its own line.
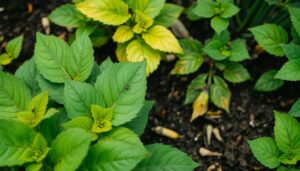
point(251, 112)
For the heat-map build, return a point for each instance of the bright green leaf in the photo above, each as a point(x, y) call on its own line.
point(290, 71)
point(292, 51)
point(164, 157)
point(265, 151)
point(69, 149)
point(14, 96)
point(125, 92)
point(123, 34)
point(119, 149)
point(79, 97)
point(295, 110)
point(239, 51)
point(102, 119)
point(267, 82)
point(294, 10)
point(205, 8)
point(219, 24)
point(270, 37)
point(168, 15)
point(14, 46)
point(150, 8)
point(68, 16)
point(229, 10)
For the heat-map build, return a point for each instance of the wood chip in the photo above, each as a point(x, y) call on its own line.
point(206, 152)
point(217, 134)
point(180, 30)
point(29, 8)
point(166, 132)
point(209, 130)
point(46, 25)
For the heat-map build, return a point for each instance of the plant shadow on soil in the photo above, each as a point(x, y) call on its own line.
point(251, 113)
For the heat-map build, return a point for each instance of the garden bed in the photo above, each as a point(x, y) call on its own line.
point(251, 112)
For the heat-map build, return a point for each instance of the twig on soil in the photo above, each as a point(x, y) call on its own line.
point(166, 132)
point(206, 152)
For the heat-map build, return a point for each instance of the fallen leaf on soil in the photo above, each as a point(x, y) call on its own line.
point(206, 152)
point(167, 132)
point(29, 8)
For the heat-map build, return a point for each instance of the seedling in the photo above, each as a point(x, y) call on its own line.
point(220, 54)
point(61, 111)
point(12, 50)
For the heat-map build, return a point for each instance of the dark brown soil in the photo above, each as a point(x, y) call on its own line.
point(251, 113)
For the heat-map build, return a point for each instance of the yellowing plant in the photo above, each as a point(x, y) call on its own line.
point(142, 32)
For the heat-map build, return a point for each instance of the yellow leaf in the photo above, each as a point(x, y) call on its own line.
point(111, 12)
point(123, 34)
point(5, 59)
point(121, 52)
point(143, 22)
point(138, 51)
point(102, 119)
point(200, 105)
point(160, 38)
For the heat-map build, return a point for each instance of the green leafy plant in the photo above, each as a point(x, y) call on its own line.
point(220, 11)
point(283, 149)
point(12, 50)
point(274, 39)
point(221, 54)
point(141, 31)
point(62, 111)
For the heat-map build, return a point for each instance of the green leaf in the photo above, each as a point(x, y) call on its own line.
point(214, 50)
point(160, 38)
point(111, 12)
point(282, 168)
point(286, 132)
point(79, 97)
point(294, 10)
point(187, 63)
point(138, 51)
point(143, 22)
point(123, 34)
point(139, 123)
point(267, 82)
point(68, 16)
point(82, 62)
point(82, 122)
point(14, 46)
point(219, 24)
point(292, 51)
point(51, 56)
point(236, 73)
point(149, 7)
point(220, 93)
point(28, 74)
point(195, 87)
point(164, 157)
point(239, 51)
point(265, 151)
point(102, 119)
point(5, 59)
point(229, 10)
point(14, 142)
point(119, 149)
point(290, 71)
point(168, 15)
point(14, 96)
point(55, 90)
point(34, 166)
point(125, 92)
point(69, 149)
point(270, 37)
point(295, 110)
point(205, 8)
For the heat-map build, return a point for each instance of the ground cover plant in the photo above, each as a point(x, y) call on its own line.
point(69, 113)
point(236, 63)
point(12, 50)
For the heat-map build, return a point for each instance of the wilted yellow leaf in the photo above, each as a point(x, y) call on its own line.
point(123, 34)
point(121, 52)
point(160, 38)
point(111, 12)
point(139, 51)
point(200, 105)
